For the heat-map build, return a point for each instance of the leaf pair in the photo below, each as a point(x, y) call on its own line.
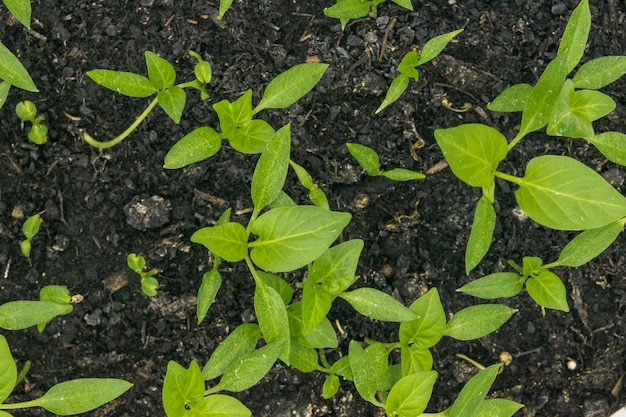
point(369, 161)
point(54, 300)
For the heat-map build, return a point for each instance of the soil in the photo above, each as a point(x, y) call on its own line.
point(415, 232)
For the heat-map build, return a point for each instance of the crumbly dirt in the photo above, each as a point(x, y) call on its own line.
point(415, 232)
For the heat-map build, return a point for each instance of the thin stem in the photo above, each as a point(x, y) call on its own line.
point(516, 139)
point(507, 177)
point(104, 145)
point(15, 406)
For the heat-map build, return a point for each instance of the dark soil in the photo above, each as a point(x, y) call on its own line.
point(415, 232)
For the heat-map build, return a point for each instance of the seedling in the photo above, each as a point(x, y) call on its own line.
point(344, 10)
point(30, 228)
point(27, 112)
point(369, 161)
point(149, 284)
point(409, 64)
point(556, 191)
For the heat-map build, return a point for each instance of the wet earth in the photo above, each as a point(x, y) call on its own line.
point(102, 205)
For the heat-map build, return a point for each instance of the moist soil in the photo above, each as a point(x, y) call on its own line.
point(563, 364)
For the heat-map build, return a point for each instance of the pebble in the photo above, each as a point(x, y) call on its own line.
point(143, 213)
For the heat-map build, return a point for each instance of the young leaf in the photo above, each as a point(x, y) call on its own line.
point(565, 120)
point(473, 152)
point(331, 386)
point(81, 395)
point(316, 304)
point(243, 133)
point(481, 234)
point(224, 6)
point(513, 99)
point(428, 329)
point(160, 72)
point(249, 369)
point(291, 86)
point(316, 195)
point(378, 305)
point(211, 283)
point(271, 169)
point(198, 145)
point(547, 290)
point(498, 407)
point(228, 241)
point(472, 395)
point(303, 358)
point(223, 406)
point(4, 91)
point(575, 36)
point(600, 72)
point(172, 101)
point(365, 156)
point(415, 359)
point(498, 285)
point(17, 315)
point(589, 244)
point(409, 396)
point(13, 72)
point(272, 316)
point(396, 89)
point(240, 342)
point(320, 337)
point(348, 9)
point(591, 104)
point(183, 389)
point(366, 369)
point(401, 174)
point(434, 46)
point(56, 293)
point(612, 145)
point(30, 228)
point(8, 370)
point(125, 83)
point(291, 237)
point(477, 321)
point(335, 270)
point(20, 9)
point(562, 193)
point(279, 285)
point(408, 65)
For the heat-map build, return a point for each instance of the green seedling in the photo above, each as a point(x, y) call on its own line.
point(160, 83)
point(409, 64)
point(30, 228)
point(27, 112)
point(369, 161)
point(54, 300)
point(344, 10)
point(65, 398)
point(224, 6)
point(149, 284)
point(558, 192)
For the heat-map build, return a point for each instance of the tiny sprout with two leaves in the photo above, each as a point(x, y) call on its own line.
point(27, 112)
point(369, 161)
point(30, 228)
point(149, 284)
point(344, 10)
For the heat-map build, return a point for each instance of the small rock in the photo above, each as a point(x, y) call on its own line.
point(144, 213)
point(558, 9)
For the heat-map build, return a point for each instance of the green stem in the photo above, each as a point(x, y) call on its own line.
point(507, 177)
point(104, 145)
point(15, 406)
point(516, 139)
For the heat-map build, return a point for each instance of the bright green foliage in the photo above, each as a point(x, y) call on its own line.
point(611, 145)
point(198, 145)
point(316, 195)
point(271, 170)
point(477, 321)
point(54, 300)
point(425, 331)
point(240, 342)
point(409, 64)
point(228, 241)
point(589, 244)
point(369, 161)
point(272, 317)
point(30, 228)
point(600, 72)
point(224, 6)
point(378, 305)
point(211, 283)
point(547, 290)
point(345, 10)
point(20, 9)
point(513, 99)
point(498, 285)
point(149, 284)
point(27, 112)
point(498, 407)
point(8, 370)
point(472, 396)
point(13, 72)
point(481, 235)
point(410, 395)
point(125, 83)
point(368, 368)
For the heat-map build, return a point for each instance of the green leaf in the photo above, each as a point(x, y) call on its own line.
point(574, 38)
point(8, 370)
point(252, 136)
point(149, 286)
point(228, 241)
point(473, 152)
point(472, 395)
point(183, 389)
point(365, 156)
point(477, 321)
point(316, 304)
point(30, 228)
point(211, 283)
point(335, 270)
point(223, 406)
point(589, 244)
point(331, 386)
point(198, 145)
point(303, 358)
point(126, 83)
point(240, 342)
point(415, 359)
point(401, 174)
point(348, 9)
point(612, 145)
point(396, 89)
point(513, 99)
point(291, 237)
point(364, 370)
point(562, 193)
point(342, 367)
point(56, 293)
point(160, 72)
point(481, 234)
point(427, 330)
point(564, 120)
point(272, 316)
point(17, 315)
point(316, 195)
point(378, 305)
point(235, 119)
point(271, 169)
point(279, 285)
point(498, 407)
point(591, 104)
point(541, 100)
point(172, 101)
point(600, 72)
point(408, 65)
point(434, 46)
point(547, 290)
point(224, 6)
point(291, 86)
point(249, 369)
point(4, 92)
point(81, 395)
point(13, 72)
point(320, 337)
point(409, 396)
point(498, 285)
point(20, 9)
